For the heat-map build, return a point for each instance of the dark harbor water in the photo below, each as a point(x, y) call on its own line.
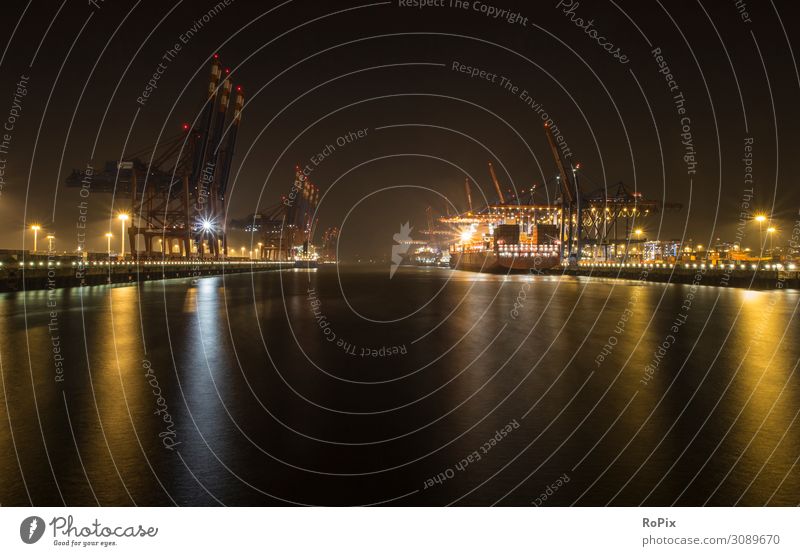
point(342, 387)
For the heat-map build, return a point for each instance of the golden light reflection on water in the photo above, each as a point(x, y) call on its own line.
point(763, 331)
point(752, 296)
point(118, 384)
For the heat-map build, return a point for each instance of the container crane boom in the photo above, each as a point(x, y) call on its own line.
point(567, 186)
point(496, 184)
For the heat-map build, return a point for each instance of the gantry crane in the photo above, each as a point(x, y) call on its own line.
point(178, 186)
point(570, 228)
point(581, 220)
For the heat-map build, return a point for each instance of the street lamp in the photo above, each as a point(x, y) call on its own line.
point(50, 239)
point(242, 251)
point(123, 218)
point(760, 218)
point(260, 250)
point(35, 229)
point(771, 231)
point(109, 235)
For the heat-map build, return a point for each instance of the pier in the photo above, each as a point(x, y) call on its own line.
point(39, 272)
point(764, 277)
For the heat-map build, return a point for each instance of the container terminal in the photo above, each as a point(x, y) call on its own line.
point(597, 233)
point(175, 224)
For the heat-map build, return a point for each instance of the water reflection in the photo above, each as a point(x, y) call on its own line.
point(264, 412)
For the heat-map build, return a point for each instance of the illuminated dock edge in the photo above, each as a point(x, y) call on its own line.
point(762, 276)
point(41, 273)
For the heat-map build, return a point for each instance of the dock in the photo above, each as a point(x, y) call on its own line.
point(40, 273)
point(757, 277)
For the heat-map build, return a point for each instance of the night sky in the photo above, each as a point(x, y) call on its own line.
point(314, 71)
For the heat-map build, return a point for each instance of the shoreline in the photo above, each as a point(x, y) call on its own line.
point(94, 273)
point(715, 277)
point(761, 279)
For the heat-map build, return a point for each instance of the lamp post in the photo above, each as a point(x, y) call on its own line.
point(760, 218)
point(260, 250)
point(242, 252)
point(638, 233)
point(109, 235)
point(35, 229)
point(771, 231)
point(50, 239)
point(123, 218)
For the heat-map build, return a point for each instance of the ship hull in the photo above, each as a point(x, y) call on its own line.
point(491, 262)
point(299, 263)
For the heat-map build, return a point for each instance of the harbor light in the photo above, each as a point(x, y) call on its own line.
point(35, 229)
point(771, 231)
point(123, 217)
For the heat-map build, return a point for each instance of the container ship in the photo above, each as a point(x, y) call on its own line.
point(517, 233)
point(306, 260)
point(506, 248)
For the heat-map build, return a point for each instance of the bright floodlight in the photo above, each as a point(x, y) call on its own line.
point(466, 235)
point(36, 227)
point(760, 218)
point(207, 226)
point(771, 230)
point(123, 216)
